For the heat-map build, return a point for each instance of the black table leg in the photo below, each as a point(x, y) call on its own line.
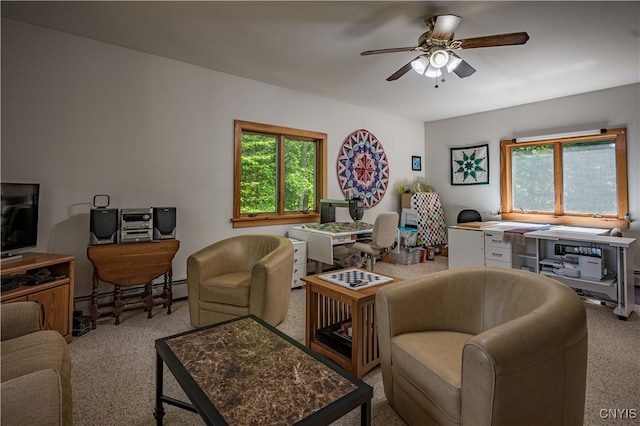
point(365, 413)
point(159, 411)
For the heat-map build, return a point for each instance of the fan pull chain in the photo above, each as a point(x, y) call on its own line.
point(443, 77)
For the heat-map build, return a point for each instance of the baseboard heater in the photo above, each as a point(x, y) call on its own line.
point(105, 297)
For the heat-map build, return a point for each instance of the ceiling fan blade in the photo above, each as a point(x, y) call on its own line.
point(508, 39)
point(391, 50)
point(464, 69)
point(445, 26)
point(402, 71)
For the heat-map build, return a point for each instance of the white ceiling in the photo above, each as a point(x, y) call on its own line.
point(314, 47)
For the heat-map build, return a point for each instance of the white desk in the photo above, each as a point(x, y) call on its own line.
point(321, 239)
point(616, 286)
point(493, 244)
point(483, 243)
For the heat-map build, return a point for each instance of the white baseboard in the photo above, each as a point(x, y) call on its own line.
point(180, 290)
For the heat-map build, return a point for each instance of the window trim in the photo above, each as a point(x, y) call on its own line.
point(280, 217)
point(558, 217)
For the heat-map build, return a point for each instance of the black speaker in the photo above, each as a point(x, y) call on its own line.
point(164, 223)
point(103, 226)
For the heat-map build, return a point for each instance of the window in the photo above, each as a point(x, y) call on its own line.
point(579, 180)
point(279, 175)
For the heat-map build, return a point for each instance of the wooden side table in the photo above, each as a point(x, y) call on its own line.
point(127, 265)
point(329, 304)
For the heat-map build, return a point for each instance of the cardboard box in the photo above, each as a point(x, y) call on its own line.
point(406, 200)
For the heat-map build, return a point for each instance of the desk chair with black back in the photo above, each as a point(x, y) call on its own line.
point(469, 215)
point(383, 235)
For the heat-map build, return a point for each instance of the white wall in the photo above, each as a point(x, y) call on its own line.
point(83, 118)
point(617, 107)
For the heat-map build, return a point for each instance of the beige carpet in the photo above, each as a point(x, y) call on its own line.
point(113, 367)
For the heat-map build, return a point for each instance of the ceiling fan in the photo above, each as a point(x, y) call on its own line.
point(437, 48)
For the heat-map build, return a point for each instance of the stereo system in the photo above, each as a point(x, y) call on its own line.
point(136, 225)
point(113, 226)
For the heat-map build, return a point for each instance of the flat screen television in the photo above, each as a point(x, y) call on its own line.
point(19, 217)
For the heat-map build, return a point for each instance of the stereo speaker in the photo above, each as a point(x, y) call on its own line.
point(103, 226)
point(164, 223)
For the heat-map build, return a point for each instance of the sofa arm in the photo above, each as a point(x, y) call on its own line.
point(35, 399)
point(20, 318)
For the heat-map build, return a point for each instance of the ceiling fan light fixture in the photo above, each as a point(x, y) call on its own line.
point(454, 61)
point(439, 58)
point(420, 64)
point(432, 72)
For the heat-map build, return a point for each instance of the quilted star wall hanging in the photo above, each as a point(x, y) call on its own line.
point(363, 169)
point(470, 166)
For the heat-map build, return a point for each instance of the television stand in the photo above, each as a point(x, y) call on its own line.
point(55, 296)
point(9, 257)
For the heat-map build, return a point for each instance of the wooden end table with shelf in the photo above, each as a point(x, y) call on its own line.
point(329, 304)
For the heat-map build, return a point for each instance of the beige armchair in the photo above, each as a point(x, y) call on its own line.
point(246, 274)
point(483, 346)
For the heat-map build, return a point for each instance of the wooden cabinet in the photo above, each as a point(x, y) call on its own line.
point(55, 297)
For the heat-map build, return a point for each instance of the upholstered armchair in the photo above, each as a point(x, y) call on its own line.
point(246, 274)
point(483, 346)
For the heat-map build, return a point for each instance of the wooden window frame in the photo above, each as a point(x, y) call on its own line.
point(280, 217)
point(619, 220)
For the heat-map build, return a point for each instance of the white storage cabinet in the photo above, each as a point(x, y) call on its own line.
point(299, 262)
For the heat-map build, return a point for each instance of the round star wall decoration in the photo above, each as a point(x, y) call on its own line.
point(363, 169)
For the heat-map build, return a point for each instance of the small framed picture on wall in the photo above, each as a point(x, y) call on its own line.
point(416, 163)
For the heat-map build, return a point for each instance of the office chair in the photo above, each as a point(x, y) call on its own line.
point(469, 215)
point(383, 235)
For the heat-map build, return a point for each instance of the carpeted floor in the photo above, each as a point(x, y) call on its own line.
point(113, 367)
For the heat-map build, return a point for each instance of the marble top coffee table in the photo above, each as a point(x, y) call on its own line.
point(246, 372)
